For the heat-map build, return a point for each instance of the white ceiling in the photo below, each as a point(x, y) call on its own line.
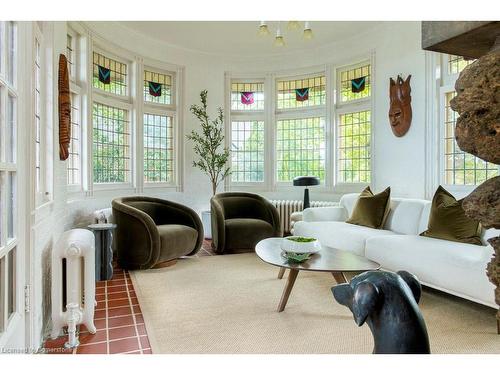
point(241, 38)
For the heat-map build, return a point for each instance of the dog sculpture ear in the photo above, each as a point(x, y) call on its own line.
point(413, 283)
point(343, 294)
point(365, 300)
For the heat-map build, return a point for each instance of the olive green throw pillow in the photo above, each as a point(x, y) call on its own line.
point(447, 220)
point(371, 210)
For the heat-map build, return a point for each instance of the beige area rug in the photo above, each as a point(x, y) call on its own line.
point(227, 304)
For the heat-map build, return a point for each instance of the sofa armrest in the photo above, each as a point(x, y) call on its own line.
point(136, 231)
point(333, 213)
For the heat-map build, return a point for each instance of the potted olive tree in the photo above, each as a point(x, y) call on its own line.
point(211, 156)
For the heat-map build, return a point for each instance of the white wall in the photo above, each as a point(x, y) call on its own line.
point(398, 162)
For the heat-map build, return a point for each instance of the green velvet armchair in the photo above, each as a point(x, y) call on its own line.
point(153, 233)
point(240, 220)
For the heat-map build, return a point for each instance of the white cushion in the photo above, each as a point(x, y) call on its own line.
point(348, 201)
point(452, 266)
point(424, 218)
point(325, 214)
point(404, 215)
point(338, 234)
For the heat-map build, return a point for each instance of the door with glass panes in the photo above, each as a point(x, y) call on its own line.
point(12, 256)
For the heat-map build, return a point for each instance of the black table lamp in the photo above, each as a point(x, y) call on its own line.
point(306, 181)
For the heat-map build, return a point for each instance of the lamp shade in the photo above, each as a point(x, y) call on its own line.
point(305, 181)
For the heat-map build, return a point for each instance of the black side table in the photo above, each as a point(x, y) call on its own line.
point(103, 250)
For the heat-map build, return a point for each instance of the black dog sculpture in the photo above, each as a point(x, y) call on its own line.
point(388, 302)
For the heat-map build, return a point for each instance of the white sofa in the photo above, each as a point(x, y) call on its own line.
point(453, 267)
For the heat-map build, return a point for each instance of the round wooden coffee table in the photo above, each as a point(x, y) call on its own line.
point(326, 260)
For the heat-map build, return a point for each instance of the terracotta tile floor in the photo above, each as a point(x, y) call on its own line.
point(118, 319)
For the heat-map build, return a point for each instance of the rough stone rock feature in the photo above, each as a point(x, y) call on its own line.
point(483, 204)
point(478, 104)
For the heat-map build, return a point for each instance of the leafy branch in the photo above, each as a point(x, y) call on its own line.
point(207, 144)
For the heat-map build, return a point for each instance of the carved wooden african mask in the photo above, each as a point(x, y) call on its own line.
point(64, 108)
point(400, 105)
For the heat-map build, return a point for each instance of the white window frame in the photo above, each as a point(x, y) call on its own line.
point(43, 194)
point(298, 114)
point(168, 110)
point(77, 88)
point(251, 115)
point(357, 105)
point(124, 102)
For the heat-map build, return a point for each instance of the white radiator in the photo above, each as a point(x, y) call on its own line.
point(287, 207)
point(73, 283)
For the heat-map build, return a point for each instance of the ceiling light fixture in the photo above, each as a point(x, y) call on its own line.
point(263, 29)
point(308, 33)
point(279, 40)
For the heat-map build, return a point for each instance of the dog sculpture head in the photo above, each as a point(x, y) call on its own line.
point(388, 302)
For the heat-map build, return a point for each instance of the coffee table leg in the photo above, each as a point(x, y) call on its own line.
point(281, 273)
point(288, 288)
point(339, 277)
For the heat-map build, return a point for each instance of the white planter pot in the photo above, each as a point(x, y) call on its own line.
point(206, 219)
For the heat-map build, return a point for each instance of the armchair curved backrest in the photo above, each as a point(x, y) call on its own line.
point(137, 239)
point(240, 205)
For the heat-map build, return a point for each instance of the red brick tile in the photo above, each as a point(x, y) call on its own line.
point(100, 297)
point(145, 342)
point(100, 305)
point(100, 284)
point(117, 311)
point(100, 314)
point(122, 332)
point(115, 283)
point(56, 343)
point(100, 323)
point(134, 352)
point(147, 351)
point(124, 345)
point(134, 301)
point(118, 303)
point(119, 295)
point(141, 328)
point(100, 348)
point(136, 309)
point(121, 288)
point(88, 338)
point(120, 321)
point(139, 319)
